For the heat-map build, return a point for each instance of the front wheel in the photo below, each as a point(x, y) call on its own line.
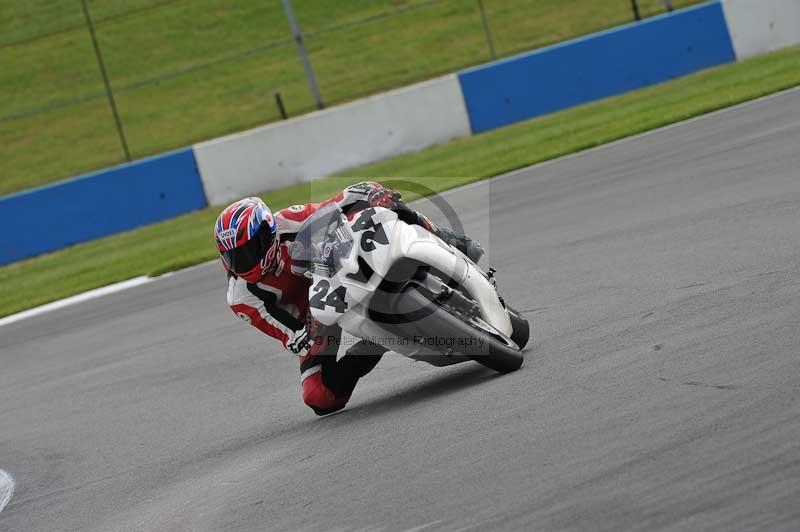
point(460, 331)
point(522, 331)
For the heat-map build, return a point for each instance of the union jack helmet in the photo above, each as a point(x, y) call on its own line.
point(246, 238)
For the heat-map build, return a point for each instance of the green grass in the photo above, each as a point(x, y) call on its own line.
point(145, 39)
point(188, 240)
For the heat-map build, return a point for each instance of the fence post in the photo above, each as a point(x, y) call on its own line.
point(487, 30)
point(103, 73)
point(635, 7)
point(281, 108)
point(298, 38)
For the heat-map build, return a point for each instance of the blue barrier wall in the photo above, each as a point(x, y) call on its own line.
point(496, 94)
point(99, 204)
point(596, 66)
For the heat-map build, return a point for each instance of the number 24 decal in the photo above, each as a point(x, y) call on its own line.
point(373, 233)
point(334, 299)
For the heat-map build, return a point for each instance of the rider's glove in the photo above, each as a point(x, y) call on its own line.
point(299, 342)
point(383, 197)
point(304, 338)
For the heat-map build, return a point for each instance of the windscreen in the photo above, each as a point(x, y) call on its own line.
point(322, 242)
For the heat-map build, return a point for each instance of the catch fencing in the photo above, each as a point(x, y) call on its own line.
point(411, 118)
point(92, 84)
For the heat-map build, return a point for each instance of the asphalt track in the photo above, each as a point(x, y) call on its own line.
point(662, 391)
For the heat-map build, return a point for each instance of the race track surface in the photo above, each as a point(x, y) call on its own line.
point(662, 390)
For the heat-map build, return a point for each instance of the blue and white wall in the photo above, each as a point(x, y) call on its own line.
point(393, 123)
point(594, 67)
point(99, 204)
point(332, 140)
point(760, 26)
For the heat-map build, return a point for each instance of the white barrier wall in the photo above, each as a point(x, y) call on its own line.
point(332, 140)
point(761, 26)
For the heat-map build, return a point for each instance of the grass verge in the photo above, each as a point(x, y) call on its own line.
point(187, 240)
point(189, 70)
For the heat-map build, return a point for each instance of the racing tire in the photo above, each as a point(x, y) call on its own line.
point(495, 350)
point(521, 329)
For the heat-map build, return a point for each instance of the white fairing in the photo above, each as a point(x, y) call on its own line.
point(380, 243)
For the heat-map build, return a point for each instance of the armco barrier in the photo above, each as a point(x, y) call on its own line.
point(596, 66)
point(332, 140)
point(99, 204)
point(761, 26)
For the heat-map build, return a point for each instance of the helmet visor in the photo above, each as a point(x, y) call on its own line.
point(244, 258)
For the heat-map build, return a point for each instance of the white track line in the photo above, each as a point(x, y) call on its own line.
point(6, 489)
point(483, 182)
point(91, 294)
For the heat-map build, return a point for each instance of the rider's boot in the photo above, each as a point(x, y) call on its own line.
point(471, 248)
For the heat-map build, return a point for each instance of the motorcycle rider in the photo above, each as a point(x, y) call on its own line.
point(255, 246)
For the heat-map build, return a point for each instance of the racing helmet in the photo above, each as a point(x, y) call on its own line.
point(246, 236)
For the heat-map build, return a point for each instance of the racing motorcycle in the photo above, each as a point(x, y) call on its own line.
point(400, 286)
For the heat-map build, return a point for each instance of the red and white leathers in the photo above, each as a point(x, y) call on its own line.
point(278, 306)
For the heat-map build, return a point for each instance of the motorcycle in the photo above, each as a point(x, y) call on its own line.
point(398, 285)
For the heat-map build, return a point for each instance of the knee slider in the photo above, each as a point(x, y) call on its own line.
point(319, 397)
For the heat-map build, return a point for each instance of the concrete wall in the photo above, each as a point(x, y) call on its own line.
point(332, 140)
point(761, 26)
point(385, 125)
point(99, 204)
point(597, 66)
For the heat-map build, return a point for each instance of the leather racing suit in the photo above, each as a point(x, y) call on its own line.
point(278, 304)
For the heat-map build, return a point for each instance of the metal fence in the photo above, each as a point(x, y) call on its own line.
point(90, 83)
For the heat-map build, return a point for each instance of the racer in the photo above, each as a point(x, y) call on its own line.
point(255, 244)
